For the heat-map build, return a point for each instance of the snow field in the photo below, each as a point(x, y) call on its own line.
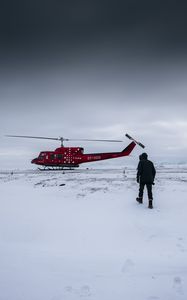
point(81, 235)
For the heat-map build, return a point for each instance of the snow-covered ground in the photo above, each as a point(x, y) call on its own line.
point(81, 235)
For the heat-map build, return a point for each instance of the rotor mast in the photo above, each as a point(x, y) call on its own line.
point(61, 139)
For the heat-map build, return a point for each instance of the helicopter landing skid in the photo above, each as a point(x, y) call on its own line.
point(56, 168)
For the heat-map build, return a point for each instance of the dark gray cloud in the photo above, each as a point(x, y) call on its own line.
point(93, 69)
point(68, 23)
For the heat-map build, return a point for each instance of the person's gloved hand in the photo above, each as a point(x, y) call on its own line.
point(153, 183)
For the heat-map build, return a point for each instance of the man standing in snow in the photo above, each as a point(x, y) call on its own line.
point(145, 176)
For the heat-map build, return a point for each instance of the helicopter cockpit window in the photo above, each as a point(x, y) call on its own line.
point(59, 156)
point(52, 156)
point(41, 156)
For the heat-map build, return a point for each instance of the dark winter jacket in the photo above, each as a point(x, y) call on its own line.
point(145, 171)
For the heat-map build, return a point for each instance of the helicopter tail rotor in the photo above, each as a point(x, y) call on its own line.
point(138, 143)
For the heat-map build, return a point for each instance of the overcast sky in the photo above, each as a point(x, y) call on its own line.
point(94, 69)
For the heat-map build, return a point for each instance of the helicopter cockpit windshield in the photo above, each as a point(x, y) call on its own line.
point(41, 155)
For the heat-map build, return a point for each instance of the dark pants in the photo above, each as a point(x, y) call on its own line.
point(149, 190)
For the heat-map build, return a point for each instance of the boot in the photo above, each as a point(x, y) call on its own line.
point(150, 203)
point(139, 200)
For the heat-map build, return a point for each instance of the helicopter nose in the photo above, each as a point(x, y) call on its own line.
point(34, 161)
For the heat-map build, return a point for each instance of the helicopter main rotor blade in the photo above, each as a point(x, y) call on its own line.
point(60, 138)
point(90, 140)
point(33, 137)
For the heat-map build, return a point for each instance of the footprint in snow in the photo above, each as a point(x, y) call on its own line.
point(152, 236)
point(177, 285)
point(83, 291)
point(57, 297)
point(128, 264)
point(80, 195)
point(180, 246)
point(68, 289)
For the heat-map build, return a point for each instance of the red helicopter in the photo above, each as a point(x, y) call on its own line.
point(72, 157)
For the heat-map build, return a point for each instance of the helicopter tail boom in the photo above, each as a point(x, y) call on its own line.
point(128, 149)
